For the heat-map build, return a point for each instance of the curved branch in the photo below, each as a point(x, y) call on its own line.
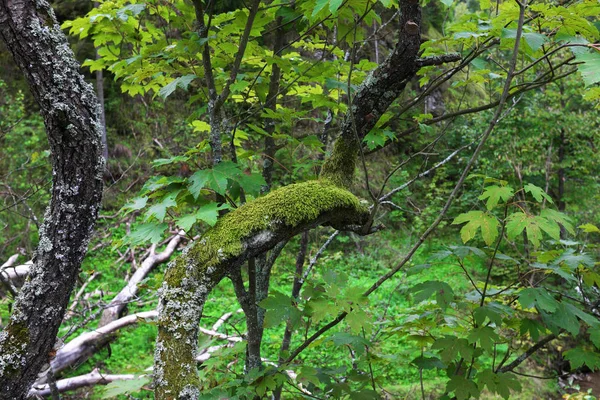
point(381, 87)
point(86, 344)
point(517, 361)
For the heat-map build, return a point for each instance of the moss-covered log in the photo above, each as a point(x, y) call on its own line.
point(246, 232)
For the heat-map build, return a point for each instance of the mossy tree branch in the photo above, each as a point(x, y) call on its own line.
point(246, 232)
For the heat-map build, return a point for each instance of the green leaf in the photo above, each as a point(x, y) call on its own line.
point(538, 297)
point(564, 318)
point(519, 221)
point(251, 183)
point(498, 382)
point(210, 212)
point(537, 192)
point(280, 309)
point(334, 5)
point(374, 139)
point(421, 340)
point(489, 312)
point(462, 387)
point(532, 327)
point(559, 218)
point(589, 228)
point(582, 315)
point(451, 347)
point(196, 182)
point(444, 294)
point(534, 40)
point(580, 356)
point(149, 232)
point(186, 222)
point(182, 82)
point(357, 319)
point(463, 251)
point(590, 69)
point(200, 126)
point(494, 193)
point(343, 338)
point(122, 387)
point(574, 260)
point(548, 226)
point(215, 178)
point(165, 161)
point(595, 335)
point(159, 210)
point(476, 220)
point(485, 336)
point(136, 204)
point(428, 363)
point(515, 224)
point(319, 5)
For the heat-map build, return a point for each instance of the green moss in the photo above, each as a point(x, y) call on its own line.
point(339, 167)
point(290, 205)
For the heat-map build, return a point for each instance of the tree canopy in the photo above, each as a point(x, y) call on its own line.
point(396, 191)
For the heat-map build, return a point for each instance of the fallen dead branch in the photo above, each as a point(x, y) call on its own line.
point(129, 292)
point(91, 379)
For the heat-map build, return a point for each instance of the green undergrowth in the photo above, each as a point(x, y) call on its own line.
point(349, 266)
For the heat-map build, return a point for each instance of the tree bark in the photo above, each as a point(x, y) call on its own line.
point(70, 110)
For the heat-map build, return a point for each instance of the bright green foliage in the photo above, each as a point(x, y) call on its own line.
point(494, 193)
point(517, 240)
point(476, 220)
point(548, 221)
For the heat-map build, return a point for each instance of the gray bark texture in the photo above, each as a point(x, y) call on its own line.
point(70, 110)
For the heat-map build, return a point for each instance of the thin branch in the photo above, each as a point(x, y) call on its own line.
point(238, 57)
point(424, 173)
point(92, 379)
point(438, 60)
point(527, 354)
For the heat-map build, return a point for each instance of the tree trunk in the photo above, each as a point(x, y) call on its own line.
point(70, 110)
